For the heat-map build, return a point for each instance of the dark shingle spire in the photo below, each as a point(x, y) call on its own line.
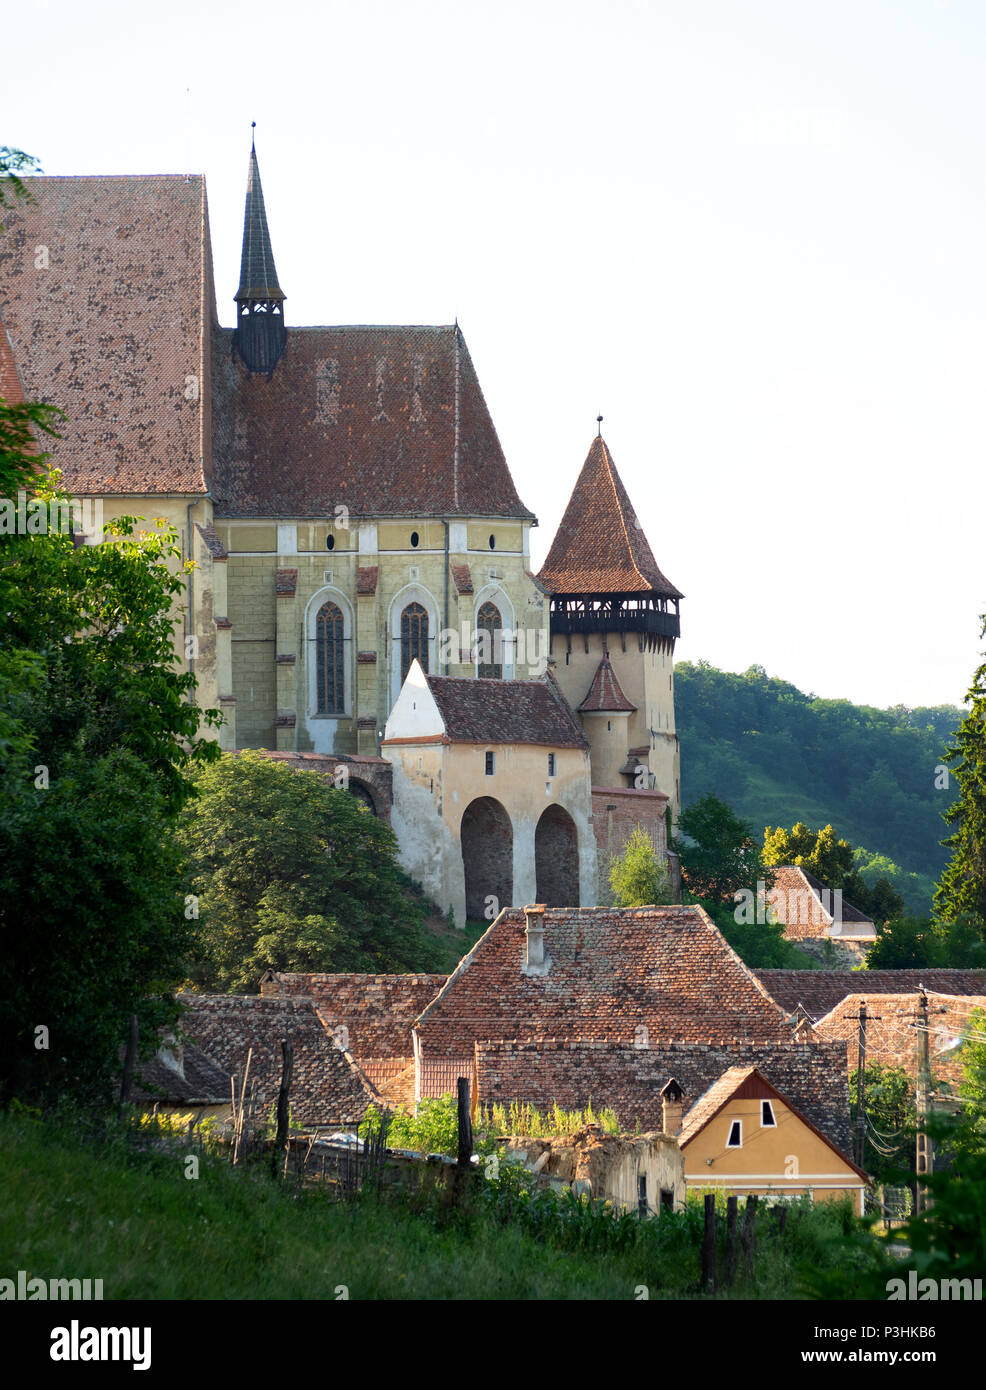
point(260, 333)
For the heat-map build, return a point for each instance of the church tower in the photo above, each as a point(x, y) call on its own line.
point(259, 337)
point(614, 619)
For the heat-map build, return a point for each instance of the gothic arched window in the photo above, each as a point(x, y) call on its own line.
point(489, 640)
point(329, 660)
point(414, 638)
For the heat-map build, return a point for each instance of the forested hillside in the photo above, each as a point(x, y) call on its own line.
point(779, 756)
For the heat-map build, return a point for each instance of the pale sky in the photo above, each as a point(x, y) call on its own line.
point(752, 235)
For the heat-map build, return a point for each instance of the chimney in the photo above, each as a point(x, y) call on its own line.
point(671, 1107)
point(534, 913)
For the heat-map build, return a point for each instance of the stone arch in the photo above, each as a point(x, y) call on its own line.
point(486, 838)
point(364, 793)
point(556, 859)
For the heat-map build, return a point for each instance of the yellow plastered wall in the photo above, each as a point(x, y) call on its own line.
point(787, 1159)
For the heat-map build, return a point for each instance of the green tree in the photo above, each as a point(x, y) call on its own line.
point(719, 857)
point(636, 877)
point(962, 890)
point(833, 861)
point(98, 737)
point(909, 942)
point(890, 1120)
point(292, 874)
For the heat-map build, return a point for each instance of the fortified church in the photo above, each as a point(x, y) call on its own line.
point(361, 601)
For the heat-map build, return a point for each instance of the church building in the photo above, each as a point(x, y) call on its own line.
point(362, 592)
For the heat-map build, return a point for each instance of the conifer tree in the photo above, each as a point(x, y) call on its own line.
point(962, 890)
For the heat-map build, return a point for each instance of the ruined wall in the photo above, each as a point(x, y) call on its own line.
point(619, 1168)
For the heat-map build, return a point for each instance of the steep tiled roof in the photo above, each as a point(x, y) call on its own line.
point(362, 417)
point(605, 693)
point(10, 385)
point(258, 277)
point(378, 1011)
point(600, 546)
point(805, 906)
point(114, 328)
point(492, 711)
point(818, 991)
point(892, 1031)
point(463, 579)
point(211, 537)
point(199, 1081)
point(326, 1088)
point(613, 971)
point(811, 1076)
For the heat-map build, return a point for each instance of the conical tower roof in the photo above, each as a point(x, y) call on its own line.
point(605, 693)
point(258, 276)
point(600, 546)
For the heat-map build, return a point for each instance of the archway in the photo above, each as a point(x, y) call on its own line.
point(556, 859)
point(363, 793)
point(487, 841)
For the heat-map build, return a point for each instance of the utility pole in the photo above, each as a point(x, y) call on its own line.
point(925, 1153)
point(861, 1087)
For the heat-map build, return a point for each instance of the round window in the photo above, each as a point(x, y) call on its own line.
point(414, 540)
point(330, 542)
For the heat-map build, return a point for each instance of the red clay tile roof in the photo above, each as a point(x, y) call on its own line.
point(605, 693)
point(115, 330)
point(804, 906)
point(211, 537)
point(199, 1081)
point(892, 1032)
point(378, 1011)
point(613, 970)
point(366, 579)
point(10, 384)
point(600, 546)
point(463, 579)
point(818, 991)
point(326, 1087)
point(492, 711)
point(811, 1075)
point(363, 417)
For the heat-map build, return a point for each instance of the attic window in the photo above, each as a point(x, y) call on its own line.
point(490, 764)
point(767, 1114)
point(735, 1140)
point(330, 542)
point(492, 542)
point(414, 540)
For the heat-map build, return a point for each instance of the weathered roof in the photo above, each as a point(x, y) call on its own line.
point(811, 1076)
point(805, 906)
point(613, 971)
point(10, 384)
point(893, 1029)
point(600, 546)
point(326, 1087)
point(114, 326)
point(190, 1077)
point(605, 694)
point(506, 711)
point(377, 1011)
point(258, 276)
point(818, 991)
point(387, 421)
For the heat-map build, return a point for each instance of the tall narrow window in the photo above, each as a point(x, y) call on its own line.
point(489, 638)
point(414, 638)
point(329, 660)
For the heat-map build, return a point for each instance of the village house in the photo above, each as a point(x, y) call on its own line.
point(813, 915)
point(811, 994)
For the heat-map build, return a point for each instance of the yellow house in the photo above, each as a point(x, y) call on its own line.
point(743, 1137)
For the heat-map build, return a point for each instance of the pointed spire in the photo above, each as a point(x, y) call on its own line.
point(605, 694)
point(600, 546)
point(260, 333)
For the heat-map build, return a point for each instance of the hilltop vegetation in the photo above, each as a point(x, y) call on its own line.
point(779, 756)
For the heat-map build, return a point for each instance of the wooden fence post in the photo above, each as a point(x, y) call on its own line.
point(709, 1246)
point(750, 1234)
point(281, 1142)
point(464, 1157)
point(732, 1245)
